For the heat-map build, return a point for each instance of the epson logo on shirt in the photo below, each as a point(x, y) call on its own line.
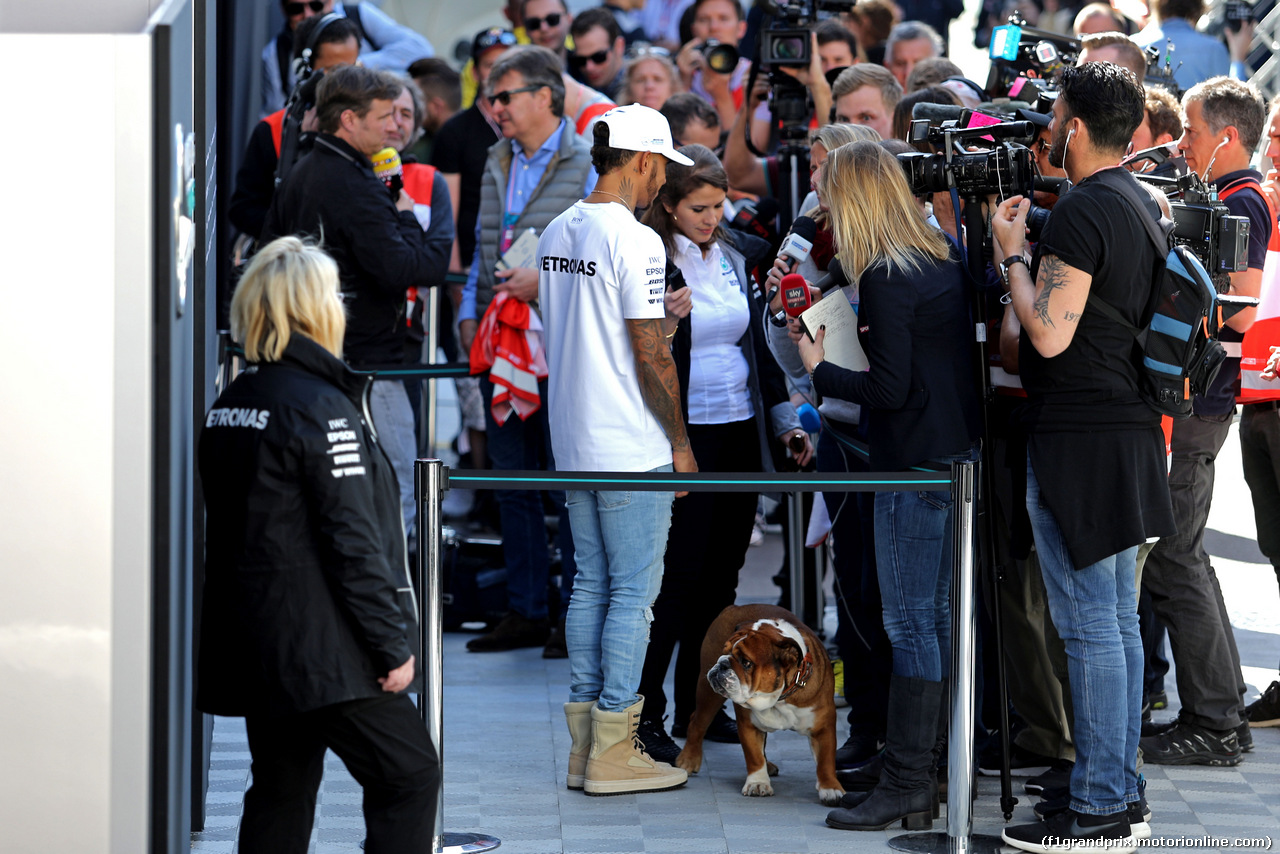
point(552, 264)
point(256, 418)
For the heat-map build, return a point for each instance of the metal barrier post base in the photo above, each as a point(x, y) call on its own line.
point(431, 481)
point(942, 843)
point(467, 843)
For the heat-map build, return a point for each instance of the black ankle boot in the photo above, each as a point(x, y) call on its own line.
point(907, 786)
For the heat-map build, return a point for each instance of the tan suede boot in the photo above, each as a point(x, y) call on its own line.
point(578, 717)
point(618, 763)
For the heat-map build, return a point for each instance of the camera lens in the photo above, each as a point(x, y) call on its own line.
point(721, 58)
point(1036, 219)
point(784, 49)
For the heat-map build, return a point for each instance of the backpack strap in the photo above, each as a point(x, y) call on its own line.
point(1237, 186)
point(352, 11)
point(284, 57)
point(1161, 233)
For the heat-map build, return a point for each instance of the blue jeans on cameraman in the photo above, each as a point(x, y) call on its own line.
point(1095, 610)
point(525, 445)
point(620, 538)
point(913, 562)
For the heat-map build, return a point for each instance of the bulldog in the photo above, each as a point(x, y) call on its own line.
point(778, 676)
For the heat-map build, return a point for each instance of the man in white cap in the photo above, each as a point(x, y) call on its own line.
point(614, 405)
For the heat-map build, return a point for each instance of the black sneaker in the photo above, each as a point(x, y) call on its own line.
point(1022, 762)
point(1139, 813)
point(1160, 700)
point(1150, 728)
point(514, 632)
point(556, 646)
point(1265, 711)
point(657, 743)
point(1140, 819)
point(858, 748)
point(722, 729)
point(1057, 777)
point(1049, 807)
point(1245, 737)
point(1069, 832)
point(1188, 744)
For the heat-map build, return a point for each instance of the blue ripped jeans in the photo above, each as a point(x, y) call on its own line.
point(619, 540)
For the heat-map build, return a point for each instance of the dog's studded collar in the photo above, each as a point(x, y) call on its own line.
point(803, 672)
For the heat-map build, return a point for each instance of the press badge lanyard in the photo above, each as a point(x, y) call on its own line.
point(509, 218)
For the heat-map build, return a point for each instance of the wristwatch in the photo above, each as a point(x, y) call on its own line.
point(1007, 264)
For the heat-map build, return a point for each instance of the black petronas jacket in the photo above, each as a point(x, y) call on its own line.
point(307, 597)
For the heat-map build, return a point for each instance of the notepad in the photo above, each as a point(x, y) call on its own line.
point(522, 253)
point(840, 345)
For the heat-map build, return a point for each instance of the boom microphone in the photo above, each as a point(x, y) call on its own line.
point(799, 241)
point(937, 113)
point(835, 277)
point(386, 166)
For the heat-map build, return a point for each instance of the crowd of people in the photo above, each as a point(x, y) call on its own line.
point(609, 191)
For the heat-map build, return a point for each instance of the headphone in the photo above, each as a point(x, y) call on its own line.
point(314, 40)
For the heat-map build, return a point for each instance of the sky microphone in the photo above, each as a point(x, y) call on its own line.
point(796, 298)
point(386, 166)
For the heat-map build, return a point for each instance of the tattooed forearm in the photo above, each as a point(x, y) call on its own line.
point(1053, 275)
point(659, 384)
point(1071, 317)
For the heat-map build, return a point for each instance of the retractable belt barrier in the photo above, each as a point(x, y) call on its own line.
point(432, 479)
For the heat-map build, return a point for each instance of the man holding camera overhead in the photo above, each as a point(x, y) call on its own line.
point(1096, 485)
point(1224, 121)
point(716, 71)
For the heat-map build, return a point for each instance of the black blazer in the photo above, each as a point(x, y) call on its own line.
point(915, 329)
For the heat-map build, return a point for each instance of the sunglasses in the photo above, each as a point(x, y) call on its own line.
point(493, 38)
point(639, 51)
point(504, 97)
point(293, 9)
point(552, 20)
point(597, 58)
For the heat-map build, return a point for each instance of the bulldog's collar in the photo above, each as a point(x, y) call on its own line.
point(803, 672)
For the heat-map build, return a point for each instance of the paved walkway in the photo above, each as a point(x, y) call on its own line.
point(506, 747)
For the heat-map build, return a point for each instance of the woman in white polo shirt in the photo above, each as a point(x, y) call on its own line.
point(739, 417)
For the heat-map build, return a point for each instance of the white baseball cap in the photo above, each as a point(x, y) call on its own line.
point(640, 128)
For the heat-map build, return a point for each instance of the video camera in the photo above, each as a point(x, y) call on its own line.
point(1020, 52)
point(1006, 168)
point(1203, 224)
point(784, 42)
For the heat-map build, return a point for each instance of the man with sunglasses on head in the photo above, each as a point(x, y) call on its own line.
point(598, 52)
point(538, 170)
point(384, 45)
point(547, 22)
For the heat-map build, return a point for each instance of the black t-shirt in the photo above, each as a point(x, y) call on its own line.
point(1095, 445)
point(461, 148)
point(1096, 380)
point(1220, 398)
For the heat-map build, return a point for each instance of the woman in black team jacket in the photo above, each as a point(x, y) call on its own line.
point(739, 417)
point(307, 615)
point(913, 325)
